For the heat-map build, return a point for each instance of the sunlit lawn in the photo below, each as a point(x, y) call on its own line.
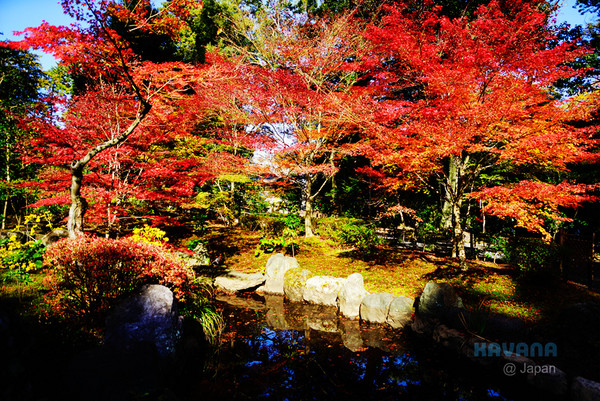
point(485, 286)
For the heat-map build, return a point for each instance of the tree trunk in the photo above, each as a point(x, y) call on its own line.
point(7, 181)
point(78, 203)
point(453, 203)
point(458, 239)
point(450, 192)
point(234, 212)
point(308, 232)
point(337, 208)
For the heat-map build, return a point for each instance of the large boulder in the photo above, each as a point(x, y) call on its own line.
point(146, 320)
point(277, 265)
point(375, 307)
point(294, 283)
point(438, 300)
point(323, 290)
point(351, 295)
point(400, 312)
point(237, 281)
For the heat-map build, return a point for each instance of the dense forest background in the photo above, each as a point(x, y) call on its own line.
point(428, 120)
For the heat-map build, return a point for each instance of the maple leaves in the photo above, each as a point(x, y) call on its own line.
point(305, 96)
point(474, 97)
point(152, 163)
point(118, 94)
point(532, 203)
point(433, 102)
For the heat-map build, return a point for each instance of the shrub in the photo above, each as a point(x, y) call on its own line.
point(532, 255)
point(192, 244)
point(151, 235)
point(202, 309)
point(270, 245)
point(20, 258)
point(361, 236)
point(88, 274)
point(331, 227)
point(278, 232)
point(292, 223)
point(26, 256)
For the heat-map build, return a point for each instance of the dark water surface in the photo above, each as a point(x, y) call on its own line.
point(276, 350)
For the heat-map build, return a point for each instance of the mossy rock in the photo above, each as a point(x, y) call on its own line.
point(294, 282)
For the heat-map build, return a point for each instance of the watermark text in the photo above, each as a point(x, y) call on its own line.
point(515, 349)
point(511, 369)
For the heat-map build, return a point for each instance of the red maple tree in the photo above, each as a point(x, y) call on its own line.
point(148, 166)
point(122, 99)
point(306, 98)
point(461, 98)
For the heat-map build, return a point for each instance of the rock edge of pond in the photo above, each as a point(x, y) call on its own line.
point(438, 313)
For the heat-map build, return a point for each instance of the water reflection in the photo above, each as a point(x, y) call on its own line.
point(277, 350)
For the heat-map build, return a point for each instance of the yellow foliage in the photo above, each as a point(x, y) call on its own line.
point(150, 235)
point(25, 257)
point(34, 221)
point(10, 250)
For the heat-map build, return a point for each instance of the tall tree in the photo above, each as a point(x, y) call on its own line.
point(475, 96)
point(21, 78)
point(149, 166)
point(99, 54)
point(306, 72)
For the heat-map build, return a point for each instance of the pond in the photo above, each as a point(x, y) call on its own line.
point(278, 350)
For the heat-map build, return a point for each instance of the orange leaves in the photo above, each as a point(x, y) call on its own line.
point(478, 92)
point(533, 203)
point(303, 95)
point(475, 88)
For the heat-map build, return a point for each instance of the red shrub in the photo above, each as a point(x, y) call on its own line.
point(88, 274)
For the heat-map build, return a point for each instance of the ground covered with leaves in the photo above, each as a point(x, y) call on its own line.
point(484, 287)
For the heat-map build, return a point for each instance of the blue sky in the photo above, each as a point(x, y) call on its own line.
point(16, 15)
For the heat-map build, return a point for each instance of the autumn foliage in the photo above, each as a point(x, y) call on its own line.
point(465, 99)
point(88, 274)
point(461, 108)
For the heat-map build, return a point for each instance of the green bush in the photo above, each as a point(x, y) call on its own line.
point(292, 223)
point(19, 259)
point(192, 244)
point(361, 236)
point(531, 255)
point(331, 227)
point(270, 245)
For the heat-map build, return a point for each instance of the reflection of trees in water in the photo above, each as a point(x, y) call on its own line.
point(275, 350)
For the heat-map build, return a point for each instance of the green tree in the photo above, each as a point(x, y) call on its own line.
point(20, 80)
